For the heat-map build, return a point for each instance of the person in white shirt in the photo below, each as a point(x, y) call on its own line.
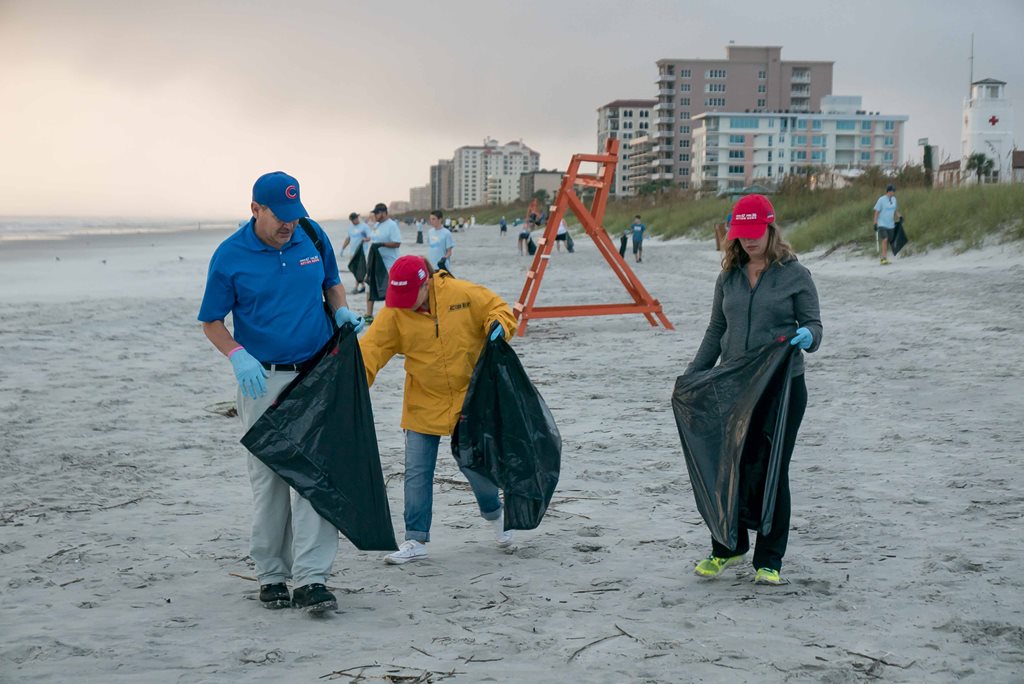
point(358, 236)
point(440, 242)
point(562, 235)
point(388, 235)
point(886, 215)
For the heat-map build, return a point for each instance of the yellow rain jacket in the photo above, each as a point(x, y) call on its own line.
point(441, 349)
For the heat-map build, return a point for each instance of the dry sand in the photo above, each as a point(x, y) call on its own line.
point(125, 501)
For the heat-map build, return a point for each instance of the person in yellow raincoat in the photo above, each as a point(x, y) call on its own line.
point(440, 324)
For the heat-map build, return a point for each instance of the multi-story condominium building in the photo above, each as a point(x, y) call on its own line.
point(636, 171)
point(623, 119)
point(732, 150)
point(419, 198)
point(489, 173)
point(442, 185)
point(754, 79)
point(548, 181)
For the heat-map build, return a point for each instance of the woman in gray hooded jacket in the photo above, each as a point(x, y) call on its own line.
point(762, 293)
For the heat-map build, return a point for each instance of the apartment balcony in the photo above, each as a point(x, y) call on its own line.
point(666, 92)
point(666, 78)
point(664, 107)
point(664, 161)
point(665, 120)
point(667, 175)
point(664, 134)
point(800, 92)
point(800, 77)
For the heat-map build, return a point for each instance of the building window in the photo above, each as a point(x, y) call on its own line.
point(887, 156)
point(865, 125)
point(798, 154)
point(801, 124)
point(684, 157)
point(816, 124)
point(799, 139)
point(846, 125)
point(769, 159)
point(627, 124)
point(684, 87)
point(817, 155)
point(714, 87)
point(888, 141)
point(684, 115)
point(684, 101)
point(736, 170)
point(684, 129)
point(762, 88)
point(627, 112)
point(761, 103)
point(761, 75)
point(737, 139)
point(865, 140)
point(645, 114)
point(818, 141)
point(737, 154)
point(865, 156)
point(890, 125)
point(684, 143)
point(685, 171)
point(714, 102)
point(743, 122)
point(714, 73)
point(684, 73)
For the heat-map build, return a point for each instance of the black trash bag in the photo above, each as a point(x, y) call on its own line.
point(731, 422)
point(899, 238)
point(507, 434)
point(376, 275)
point(623, 243)
point(531, 246)
point(357, 264)
point(319, 437)
point(569, 244)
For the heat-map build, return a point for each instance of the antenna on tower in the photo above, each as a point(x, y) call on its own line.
point(969, 85)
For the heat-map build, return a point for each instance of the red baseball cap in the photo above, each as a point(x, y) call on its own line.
point(750, 218)
point(405, 278)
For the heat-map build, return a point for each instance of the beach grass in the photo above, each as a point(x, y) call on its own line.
point(962, 217)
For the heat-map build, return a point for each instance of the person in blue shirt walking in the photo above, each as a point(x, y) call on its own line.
point(886, 215)
point(638, 229)
point(272, 280)
point(388, 235)
point(440, 242)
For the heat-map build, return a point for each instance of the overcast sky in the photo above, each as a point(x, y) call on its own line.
point(172, 108)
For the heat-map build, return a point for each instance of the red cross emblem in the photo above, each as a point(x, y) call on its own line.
point(993, 120)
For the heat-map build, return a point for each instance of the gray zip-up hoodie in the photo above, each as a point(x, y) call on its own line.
point(744, 318)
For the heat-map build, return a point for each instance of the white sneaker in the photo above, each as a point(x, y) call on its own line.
point(409, 550)
point(502, 537)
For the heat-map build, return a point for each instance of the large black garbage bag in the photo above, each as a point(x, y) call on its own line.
point(376, 274)
point(623, 243)
point(899, 238)
point(319, 437)
point(569, 243)
point(531, 247)
point(507, 434)
point(731, 422)
point(357, 264)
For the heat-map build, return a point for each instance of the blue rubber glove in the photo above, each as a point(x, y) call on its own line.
point(803, 338)
point(345, 315)
point(497, 331)
point(249, 373)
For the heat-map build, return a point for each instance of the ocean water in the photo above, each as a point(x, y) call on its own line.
point(59, 227)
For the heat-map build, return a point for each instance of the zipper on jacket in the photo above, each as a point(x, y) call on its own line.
point(750, 303)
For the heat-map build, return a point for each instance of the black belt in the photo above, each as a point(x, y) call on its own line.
point(289, 367)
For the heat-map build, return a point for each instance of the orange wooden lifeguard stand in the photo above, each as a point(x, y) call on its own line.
point(567, 199)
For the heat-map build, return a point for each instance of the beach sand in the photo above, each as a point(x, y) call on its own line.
point(126, 504)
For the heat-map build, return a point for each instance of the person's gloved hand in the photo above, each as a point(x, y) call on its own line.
point(249, 373)
point(496, 331)
point(803, 338)
point(345, 315)
point(442, 263)
point(876, 227)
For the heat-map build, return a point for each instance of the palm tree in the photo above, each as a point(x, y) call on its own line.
point(980, 164)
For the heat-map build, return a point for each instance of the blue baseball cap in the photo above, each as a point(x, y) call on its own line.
point(280, 192)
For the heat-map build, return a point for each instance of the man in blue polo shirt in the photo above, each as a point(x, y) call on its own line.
point(272, 280)
point(886, 215)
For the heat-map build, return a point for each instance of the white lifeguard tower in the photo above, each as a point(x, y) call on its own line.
point(988, 129)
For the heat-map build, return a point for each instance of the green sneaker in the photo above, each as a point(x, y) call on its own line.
point(767, 576)
point(712, 566)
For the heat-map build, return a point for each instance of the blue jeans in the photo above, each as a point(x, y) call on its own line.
point(420, 459)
